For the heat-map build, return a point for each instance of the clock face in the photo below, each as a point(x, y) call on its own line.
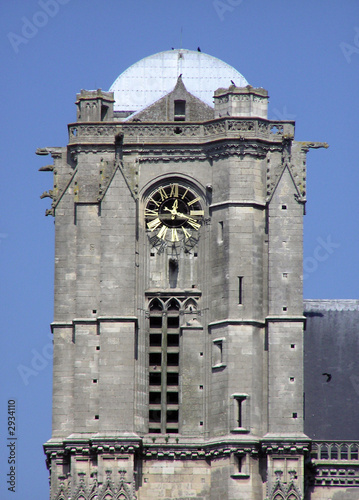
point(173, 214)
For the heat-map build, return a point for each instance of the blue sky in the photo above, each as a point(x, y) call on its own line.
point(305, 53)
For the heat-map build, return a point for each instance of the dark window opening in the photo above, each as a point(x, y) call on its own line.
point(240, 289)
point(155, 379)
point(172, 358)
point(180, 110)
point(172, 398)
point(173, 322)
point(172, 272)
point(173, 340)
point(324, 453)
point(154, 415)
point(172, 378)
point(156, 322)
point(104, 111)
point(239, 463)
point(155, 398)
point(155, 358)
point(163, 359)
point(239, 413)
point(172, 416)
point(155, 339)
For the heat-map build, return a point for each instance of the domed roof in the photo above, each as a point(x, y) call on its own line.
point(151, 78)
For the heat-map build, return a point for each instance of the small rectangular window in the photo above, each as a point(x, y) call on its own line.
point(155, 379)
point(173, 322)
point(172, 398)
point(172, 416)
point(173, 340)
point(155, 398)
point(172, 358)
point(154, 415)
point(172, 378)
point(180, 110)
point(156, 322)
point(155, 339)
point(155, 359)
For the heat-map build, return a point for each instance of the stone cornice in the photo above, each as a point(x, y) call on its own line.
point(285, 319)
point(165, 447)
point(239, 203)
point(232, 321)
point(181, 132)
point(94, 321)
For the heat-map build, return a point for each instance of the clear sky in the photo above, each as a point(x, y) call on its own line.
point(304, 52)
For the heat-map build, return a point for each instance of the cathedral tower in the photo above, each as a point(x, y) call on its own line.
point(178, 328)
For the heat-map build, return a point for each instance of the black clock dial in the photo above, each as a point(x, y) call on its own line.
point(174, 213)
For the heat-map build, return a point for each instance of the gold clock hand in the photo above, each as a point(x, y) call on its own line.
point(173, 211)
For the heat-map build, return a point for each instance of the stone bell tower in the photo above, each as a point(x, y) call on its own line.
point(178, 323)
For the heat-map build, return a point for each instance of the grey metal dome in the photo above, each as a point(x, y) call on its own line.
point(151, 78)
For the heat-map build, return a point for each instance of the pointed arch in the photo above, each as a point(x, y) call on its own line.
point(173, 304)
point(324, 454)
point(334, 452)
point(354, 452)
point(156, 305)
point(190, 305)
point(344, 452)
point(279, 496)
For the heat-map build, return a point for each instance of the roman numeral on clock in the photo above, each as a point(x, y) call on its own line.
point(174, 191)
point(153, 224)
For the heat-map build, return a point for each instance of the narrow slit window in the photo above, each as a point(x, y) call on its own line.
point(239, 412)
point(239, 464)
point(240, 290)
point(220, 231)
